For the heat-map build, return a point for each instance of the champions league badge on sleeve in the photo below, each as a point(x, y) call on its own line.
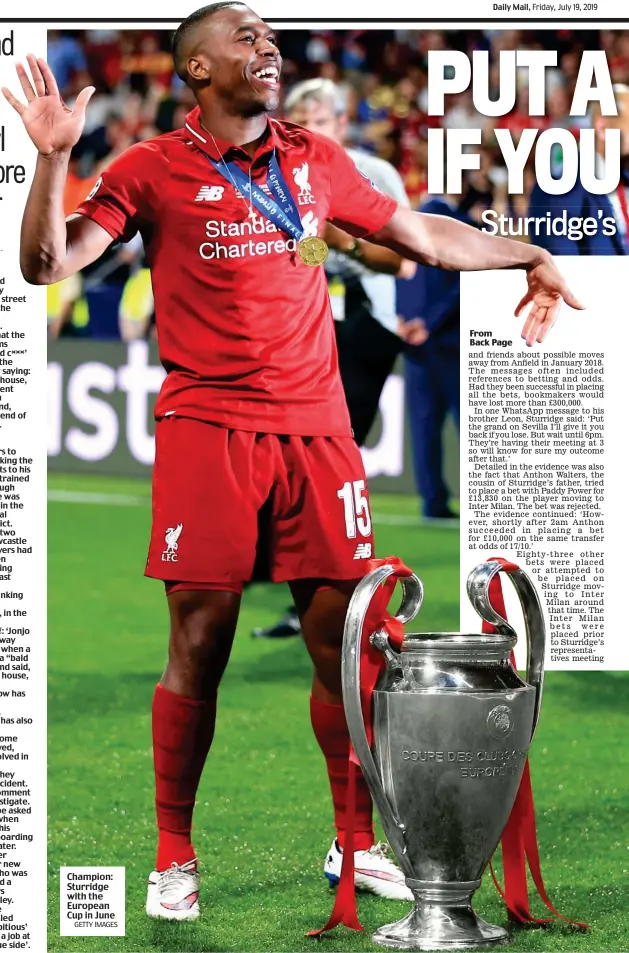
point(94, 190)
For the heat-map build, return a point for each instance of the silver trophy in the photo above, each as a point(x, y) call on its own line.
point(452, 726)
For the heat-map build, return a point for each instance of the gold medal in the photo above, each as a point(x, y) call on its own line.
point(313, 250)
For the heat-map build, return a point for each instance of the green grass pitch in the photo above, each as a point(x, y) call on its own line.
point(263, 820)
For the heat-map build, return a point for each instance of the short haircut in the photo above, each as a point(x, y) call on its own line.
point(187, 27)
point(322, 91)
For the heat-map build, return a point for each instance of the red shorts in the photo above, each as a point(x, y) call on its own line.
point(218, 492)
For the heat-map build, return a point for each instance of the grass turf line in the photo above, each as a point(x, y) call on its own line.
point(263, 819)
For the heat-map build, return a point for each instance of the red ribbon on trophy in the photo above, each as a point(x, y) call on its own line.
point(372, 663)
point(519, 838)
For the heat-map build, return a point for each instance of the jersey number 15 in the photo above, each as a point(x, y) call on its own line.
point(356, 506)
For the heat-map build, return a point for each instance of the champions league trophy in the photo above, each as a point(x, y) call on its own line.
point(452, 725)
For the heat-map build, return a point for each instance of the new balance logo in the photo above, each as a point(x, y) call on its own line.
point(214, 193)
point(210, 193)
point(363, 551)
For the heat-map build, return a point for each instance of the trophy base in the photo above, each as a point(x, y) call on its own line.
point(446, 921)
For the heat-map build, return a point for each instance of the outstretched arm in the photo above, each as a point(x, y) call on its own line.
point(50, 247)
point(446, 243)
point(377, 258)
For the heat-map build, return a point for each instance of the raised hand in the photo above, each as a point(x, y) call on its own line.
point(51, 125)
point(547, 290)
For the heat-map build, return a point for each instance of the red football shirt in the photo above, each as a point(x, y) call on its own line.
point(245, 328)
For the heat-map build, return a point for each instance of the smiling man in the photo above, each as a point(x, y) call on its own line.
point(252, 423)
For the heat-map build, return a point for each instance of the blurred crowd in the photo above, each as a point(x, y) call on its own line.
point(383, 77)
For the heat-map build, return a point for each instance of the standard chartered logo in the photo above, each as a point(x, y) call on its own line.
point(254, 231)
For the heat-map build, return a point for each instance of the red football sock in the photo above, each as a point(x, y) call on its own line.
point(330, 728)
point(182, 734)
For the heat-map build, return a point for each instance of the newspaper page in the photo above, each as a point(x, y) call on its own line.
point(284, 292)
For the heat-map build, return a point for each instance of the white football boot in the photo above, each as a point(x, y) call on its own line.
point(173, 894)
point(374, 872)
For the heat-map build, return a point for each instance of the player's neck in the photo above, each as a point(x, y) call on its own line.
point(243, 131)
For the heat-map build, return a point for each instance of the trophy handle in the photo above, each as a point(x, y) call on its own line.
point(413, 593)
point(478, 593)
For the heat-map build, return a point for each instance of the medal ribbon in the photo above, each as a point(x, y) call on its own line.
point(285, 214)
point(372, 663)
point(519, 838)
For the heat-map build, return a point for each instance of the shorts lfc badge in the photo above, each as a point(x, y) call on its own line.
point(172, 535)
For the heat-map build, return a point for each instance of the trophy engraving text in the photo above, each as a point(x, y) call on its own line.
point(473, 764)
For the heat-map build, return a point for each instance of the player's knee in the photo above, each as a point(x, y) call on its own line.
point(327, 668)
point(325, 650)
point(324, 633)
point(203, 627)
point(323, 610)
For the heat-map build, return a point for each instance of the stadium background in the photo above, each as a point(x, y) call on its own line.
point(263, 814)
point(383, 78)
